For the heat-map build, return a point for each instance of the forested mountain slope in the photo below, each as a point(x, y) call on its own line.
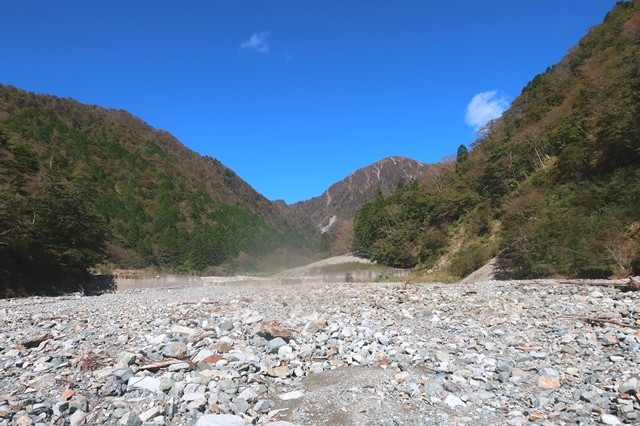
point(551, 188)
point(78, 182)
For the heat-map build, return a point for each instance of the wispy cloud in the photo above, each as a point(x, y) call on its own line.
point(257, 42)
point(484, 107)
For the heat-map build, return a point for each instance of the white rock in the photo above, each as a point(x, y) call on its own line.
point(149, 383)
point(610, 419)
point(630, 386)
point(193, 396)
point(182, 330)
point(567, 338)
point(453, 401)
point(204, 353)
point(151, 413)
point(285, 350)
point(443, 356)
point(291, 395)
point(249, 395)
point(220, 420)
point(347, 332)
point(253, 319)
point(237, 355)
point(384, 340)
point(156, 340)
point(77, 418)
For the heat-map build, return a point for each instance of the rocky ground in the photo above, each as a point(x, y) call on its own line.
point(490, 353)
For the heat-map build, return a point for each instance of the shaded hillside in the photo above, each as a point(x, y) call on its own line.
point(332, 212)
point(551, 188)
point(164, 205)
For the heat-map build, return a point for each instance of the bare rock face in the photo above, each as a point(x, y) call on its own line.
point(339, 203)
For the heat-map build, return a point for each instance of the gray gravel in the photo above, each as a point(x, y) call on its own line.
point(512, 353)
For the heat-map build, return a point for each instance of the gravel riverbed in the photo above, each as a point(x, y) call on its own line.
point(490, 353)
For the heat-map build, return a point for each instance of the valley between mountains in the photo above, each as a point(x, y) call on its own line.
point(549, 189)
point(519, 301)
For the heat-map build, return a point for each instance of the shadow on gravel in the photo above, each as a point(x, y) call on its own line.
point(99, 284)
point(48, 284)
point(350, 396)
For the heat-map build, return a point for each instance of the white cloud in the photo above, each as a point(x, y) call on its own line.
point(257, 42)
point(484, 107)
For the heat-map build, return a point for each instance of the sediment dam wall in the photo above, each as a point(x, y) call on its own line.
point(132, 281)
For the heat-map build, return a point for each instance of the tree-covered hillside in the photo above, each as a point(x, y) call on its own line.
point(81, 185)
point(551, 188)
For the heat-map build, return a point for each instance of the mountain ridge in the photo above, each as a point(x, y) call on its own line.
point(388, 173)
point(550, 188)
point(331, 213)
point(166, 206)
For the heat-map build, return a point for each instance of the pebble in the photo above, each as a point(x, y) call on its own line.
point(175, 350)
point(500, 352)
point(275, 344)
point(291, 395)
point(77, 418)
point(130, 419)
point(453, 401)
point(24, 421)
point(548, 382)
point(610, 419)
point(630, 387)
point(151, 384)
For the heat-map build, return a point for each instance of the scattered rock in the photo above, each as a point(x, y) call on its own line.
point(77, 418)
point(610, 419)
point(24, 421)
point(346, 354)
point(272, 330)
point(179, 329)
point(226, 326)
point(130, 419)
point(212, 359)
point(548, 382)
point(175, 350)
point(274, 345)
point(629, 387)
point(453, 401)
point(151, 384)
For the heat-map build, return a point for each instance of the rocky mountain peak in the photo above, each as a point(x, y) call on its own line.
point(340, 202)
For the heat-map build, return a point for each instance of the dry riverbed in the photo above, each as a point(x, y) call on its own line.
point(490, 353)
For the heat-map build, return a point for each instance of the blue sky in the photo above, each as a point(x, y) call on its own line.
point(294, 95)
